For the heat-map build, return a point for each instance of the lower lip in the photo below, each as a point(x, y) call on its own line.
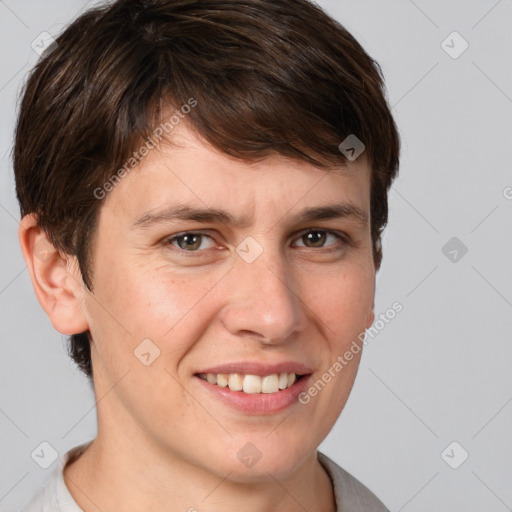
point(257, 403)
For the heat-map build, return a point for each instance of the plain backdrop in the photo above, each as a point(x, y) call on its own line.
point(435, 384)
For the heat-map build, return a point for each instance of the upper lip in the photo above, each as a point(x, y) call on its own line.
point(255, 368)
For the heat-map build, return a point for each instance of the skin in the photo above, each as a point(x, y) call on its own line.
point(162, 440)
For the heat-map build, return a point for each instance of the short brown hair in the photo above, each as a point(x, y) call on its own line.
point(267, 76)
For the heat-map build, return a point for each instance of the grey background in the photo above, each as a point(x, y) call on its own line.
point(440, 371)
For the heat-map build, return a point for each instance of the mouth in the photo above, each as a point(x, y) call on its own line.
point(253, 384)
point(253, 388)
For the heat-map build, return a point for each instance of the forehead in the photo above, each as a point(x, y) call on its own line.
point(190, 172)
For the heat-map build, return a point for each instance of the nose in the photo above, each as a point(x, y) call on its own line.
point(262, 300)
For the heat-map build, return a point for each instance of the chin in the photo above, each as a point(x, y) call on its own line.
point(255, 459)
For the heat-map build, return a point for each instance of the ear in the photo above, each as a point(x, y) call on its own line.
point(55, 277)
point(370, 318)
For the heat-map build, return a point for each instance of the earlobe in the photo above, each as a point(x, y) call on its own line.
point(56, 279)
point(370, 318)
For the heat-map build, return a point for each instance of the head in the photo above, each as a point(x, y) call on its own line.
point(239, 105)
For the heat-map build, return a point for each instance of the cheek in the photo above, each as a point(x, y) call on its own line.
point(343, 306)
point(166, 302)
point(155, 303)
point(343, 302)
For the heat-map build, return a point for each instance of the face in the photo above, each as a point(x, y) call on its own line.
point(214, 324)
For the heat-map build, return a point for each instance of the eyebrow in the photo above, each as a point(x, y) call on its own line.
point(216, 215)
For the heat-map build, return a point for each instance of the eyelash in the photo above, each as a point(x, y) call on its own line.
point(343, 241)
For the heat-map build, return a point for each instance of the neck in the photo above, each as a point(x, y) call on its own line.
point(113, 475)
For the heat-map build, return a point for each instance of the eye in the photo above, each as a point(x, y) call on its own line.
point(316, 238)
point(190, 241)
point(195, 242)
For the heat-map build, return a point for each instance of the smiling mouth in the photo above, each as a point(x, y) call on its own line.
point(252, 383)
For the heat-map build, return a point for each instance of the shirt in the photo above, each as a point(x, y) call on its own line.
point(351, 495)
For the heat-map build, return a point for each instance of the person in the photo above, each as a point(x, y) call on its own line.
point(203, 189)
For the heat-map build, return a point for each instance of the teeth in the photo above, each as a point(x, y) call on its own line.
point(251, 383)
point(270, 384)
point(222, 380)
point(235, 382)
